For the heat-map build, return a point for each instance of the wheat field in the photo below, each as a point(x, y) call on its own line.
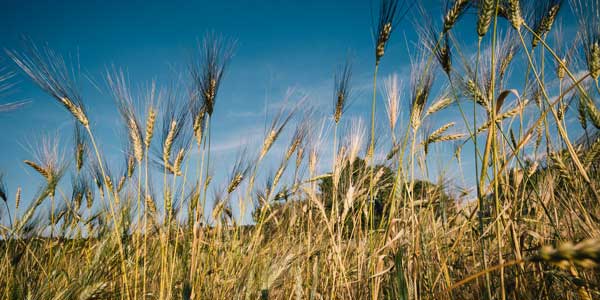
point(353, 209)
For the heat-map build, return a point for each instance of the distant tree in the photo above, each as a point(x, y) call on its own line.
point(433, 195)
point(357, 174)
point(425, 190)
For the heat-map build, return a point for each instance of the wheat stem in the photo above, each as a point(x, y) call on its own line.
point(117, 222)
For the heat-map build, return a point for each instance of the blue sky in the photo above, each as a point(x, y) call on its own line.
point(281, 45)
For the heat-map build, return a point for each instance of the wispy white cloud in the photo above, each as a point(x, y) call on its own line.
point(237, 139)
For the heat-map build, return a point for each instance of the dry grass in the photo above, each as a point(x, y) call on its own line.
point(370, 227)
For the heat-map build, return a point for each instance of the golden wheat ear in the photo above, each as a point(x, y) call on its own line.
point(341, 91)
point(81, 144)
point(586, 13)
point(585, 254)
point(390, 13)
point(514, 14)
point(436, 41)
point(454, 12)
point(486, 12)
point(126, 105)
point(44, 172)
point(150, 121)
point(51, 73)
point(421, 85)
point(543, 16)
point(208, 69)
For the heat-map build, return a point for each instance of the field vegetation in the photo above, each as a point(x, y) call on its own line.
point(378, 223)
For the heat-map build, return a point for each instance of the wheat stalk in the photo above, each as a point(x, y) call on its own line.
point(585, 254)
point(277, 125)
point(198, 127)
point(514, 14)
point(80, 148)
point(121, 183)
point(44, 172)
point(75, 110)
point(178, 162)
point(587, 14)
point(476, 93)
point(390, 12)
point(89, 198)
point(235, 182)
point(18, 198)
point(592, 112)
point(136, 140)
point(452, 15)
point(434, 136)
point(341, 91)
point(392, 90)
point(441, 104)
point(545, 23)
point(582, 113)
point(594, 60)
point(150, 121)
point(49, 71)
point(486, 12)
point(130, 165)
point(593, 154)
point(168, 144)
point(438, 45)
point(207, 73)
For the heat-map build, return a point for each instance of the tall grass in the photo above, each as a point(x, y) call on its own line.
point(368, 226)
